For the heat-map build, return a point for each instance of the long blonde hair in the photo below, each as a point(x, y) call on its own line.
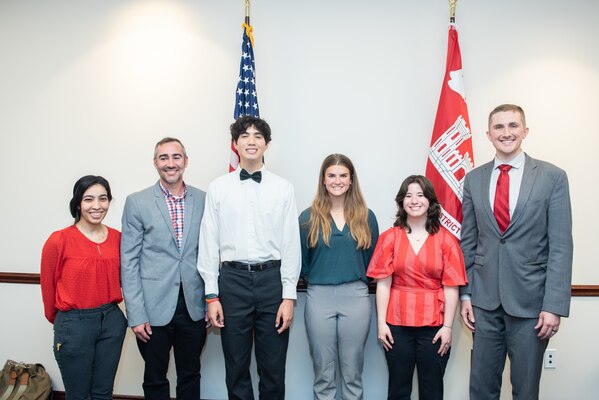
point(354, 207)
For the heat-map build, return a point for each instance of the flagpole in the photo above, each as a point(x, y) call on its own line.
point(247, 12)
point(452, 4)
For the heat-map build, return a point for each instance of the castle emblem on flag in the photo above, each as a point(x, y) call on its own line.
point(447, 158)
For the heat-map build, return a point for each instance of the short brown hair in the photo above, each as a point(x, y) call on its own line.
point(508, 107)
point(169, 140)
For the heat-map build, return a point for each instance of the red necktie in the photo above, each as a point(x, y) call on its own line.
point(501, 207)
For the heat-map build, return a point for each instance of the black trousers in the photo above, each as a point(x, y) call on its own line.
point(414, 348)
point(187, 338)
point(250, 302)
point(87, 348)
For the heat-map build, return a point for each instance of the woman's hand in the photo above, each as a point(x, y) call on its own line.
point(444, 333)
point(385, 336)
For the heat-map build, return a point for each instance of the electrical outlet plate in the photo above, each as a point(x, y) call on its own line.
point(550, 361)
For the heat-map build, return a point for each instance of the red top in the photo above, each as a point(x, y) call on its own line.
point(417, 297)
point(78, 273)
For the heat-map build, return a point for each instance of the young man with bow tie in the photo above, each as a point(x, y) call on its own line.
point(250, 247)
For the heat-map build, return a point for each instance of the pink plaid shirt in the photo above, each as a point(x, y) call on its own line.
point(176, 208)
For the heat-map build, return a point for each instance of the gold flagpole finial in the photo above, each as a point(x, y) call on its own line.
point(452, 4)
point(246, 25)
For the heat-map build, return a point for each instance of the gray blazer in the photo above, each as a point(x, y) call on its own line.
point(152, 268)
point(528, 268)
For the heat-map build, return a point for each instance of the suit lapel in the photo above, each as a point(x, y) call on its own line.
point(161, 204)
point(485, 185)
point(529, 176)
point(189, 207)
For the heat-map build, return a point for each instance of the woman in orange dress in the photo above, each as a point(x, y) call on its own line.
point(418, 267)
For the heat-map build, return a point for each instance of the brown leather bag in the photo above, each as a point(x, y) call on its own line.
point(20, 381)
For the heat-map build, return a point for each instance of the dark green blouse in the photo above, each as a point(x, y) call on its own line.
point(340, 262)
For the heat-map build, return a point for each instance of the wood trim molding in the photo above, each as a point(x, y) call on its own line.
point(60, 395)
point(585, 290)
point(19, 277)
point(56, 395)
point(34, 279)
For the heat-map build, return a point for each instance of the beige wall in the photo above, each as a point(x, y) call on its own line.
point(89, 87)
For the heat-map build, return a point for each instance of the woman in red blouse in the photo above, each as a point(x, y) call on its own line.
point(80, 280)
point(418, 268)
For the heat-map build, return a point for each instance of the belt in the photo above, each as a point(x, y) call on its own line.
point(79, 312)
point(257, 267)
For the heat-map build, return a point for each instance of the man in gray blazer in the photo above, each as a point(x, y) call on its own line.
point(517, 244)
point(162, 288)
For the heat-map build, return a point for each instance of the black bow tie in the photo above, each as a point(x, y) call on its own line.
point(256, 176)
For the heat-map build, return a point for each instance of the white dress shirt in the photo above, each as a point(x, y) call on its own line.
point(250, 222)
point(515, 174)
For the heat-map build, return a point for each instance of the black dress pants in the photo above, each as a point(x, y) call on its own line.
point(414, 348)
point(250, 302)
point(187, 338)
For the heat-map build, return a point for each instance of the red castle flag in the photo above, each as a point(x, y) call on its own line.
point(450, 156)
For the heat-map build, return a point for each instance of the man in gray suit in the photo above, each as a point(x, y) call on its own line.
point(517, 244)
point(162, 288)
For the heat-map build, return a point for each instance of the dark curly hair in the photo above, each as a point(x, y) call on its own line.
point(434, 209)
point(244, 122)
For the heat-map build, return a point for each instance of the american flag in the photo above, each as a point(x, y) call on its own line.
point(246, 98)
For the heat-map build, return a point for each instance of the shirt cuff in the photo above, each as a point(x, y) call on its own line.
point(465, 297)
point(211, 286)
point(290, 292)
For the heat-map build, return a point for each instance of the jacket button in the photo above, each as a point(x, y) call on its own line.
point(502, 241)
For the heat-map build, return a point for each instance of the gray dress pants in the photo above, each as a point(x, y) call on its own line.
point(499, 335)
point(337, 322)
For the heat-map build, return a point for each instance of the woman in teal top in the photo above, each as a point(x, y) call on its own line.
point(338, 235)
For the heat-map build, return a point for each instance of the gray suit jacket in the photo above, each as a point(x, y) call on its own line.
point(528, 268)
point(152, 268)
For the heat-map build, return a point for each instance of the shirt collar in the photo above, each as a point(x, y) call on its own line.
point(516, 163)
point(167, 193)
